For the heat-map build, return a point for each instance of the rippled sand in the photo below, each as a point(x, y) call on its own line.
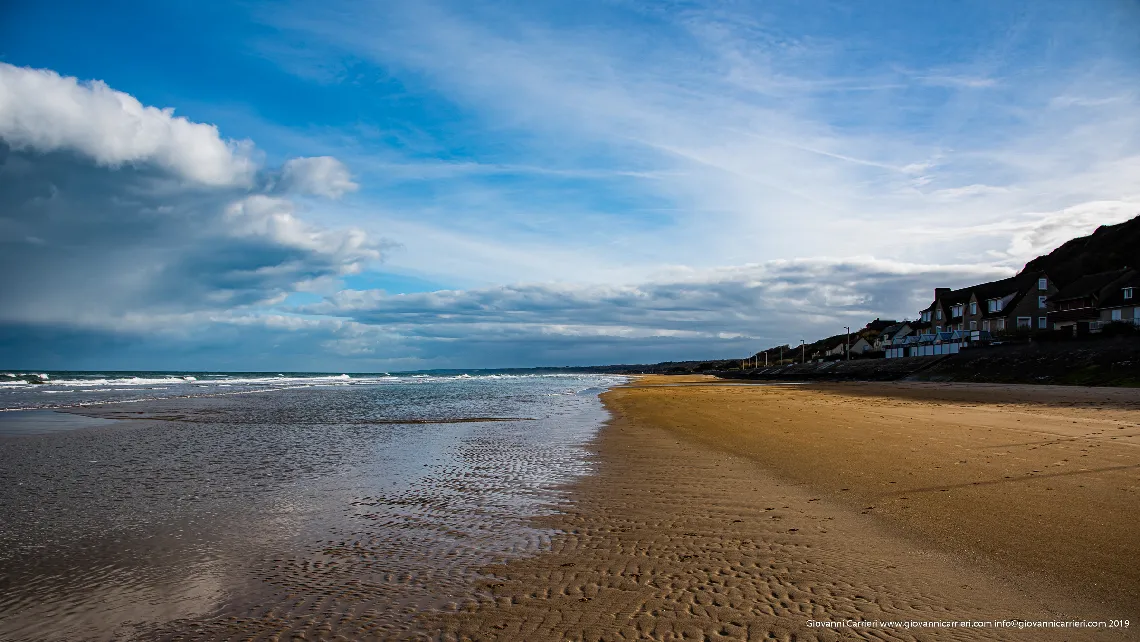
point(741, 513)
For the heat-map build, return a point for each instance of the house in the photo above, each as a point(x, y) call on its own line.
point(890, 333)
point(1077, 307)
point(1019, 303)
point(1121, 299)
point(839, 345)
point(973, 315)
point(878, 325)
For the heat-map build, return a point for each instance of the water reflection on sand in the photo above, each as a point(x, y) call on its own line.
point(282, 511)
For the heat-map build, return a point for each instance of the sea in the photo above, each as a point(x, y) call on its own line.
point(163, 505)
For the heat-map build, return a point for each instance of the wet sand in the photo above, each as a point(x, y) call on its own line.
point(747, 512)
point(324, 513)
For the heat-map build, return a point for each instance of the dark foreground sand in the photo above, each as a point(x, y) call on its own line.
point(746, 513)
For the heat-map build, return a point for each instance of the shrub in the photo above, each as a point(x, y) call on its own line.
point(1119, 329)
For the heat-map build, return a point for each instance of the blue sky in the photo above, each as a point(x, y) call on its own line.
point(400, 185)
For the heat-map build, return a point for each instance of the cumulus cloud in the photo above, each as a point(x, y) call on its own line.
point(43, 111)
point(320, 175)
point(114, 215)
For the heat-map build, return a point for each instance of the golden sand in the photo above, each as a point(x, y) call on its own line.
point(749, 512)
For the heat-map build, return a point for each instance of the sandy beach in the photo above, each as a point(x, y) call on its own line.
point(754, 512)
point(702, 510)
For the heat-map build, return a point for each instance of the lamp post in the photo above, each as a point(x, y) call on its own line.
point(847, 341)
point(803, 351)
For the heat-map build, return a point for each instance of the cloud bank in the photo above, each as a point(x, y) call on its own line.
point(120, 217)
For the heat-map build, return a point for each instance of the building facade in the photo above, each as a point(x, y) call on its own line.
point(1019, 303)
point(1096, 300)
point(1120, 302)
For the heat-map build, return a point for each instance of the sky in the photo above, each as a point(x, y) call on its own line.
point(379, 186)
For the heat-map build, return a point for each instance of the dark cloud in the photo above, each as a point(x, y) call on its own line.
point(99, 247)
point(713, 313)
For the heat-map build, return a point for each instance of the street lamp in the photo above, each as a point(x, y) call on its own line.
point(803, 351)
point(847, 341)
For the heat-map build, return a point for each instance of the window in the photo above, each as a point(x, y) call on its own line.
point(973, 325)
point(993, 305)
point(985, 326)
point(926, 315)
point(1042, 284)
point(973, 307)
point(956, 311)
point(938, 313)
point(1024, 323)
point(1116, 314)
point(1041, 304)
point(1127, 293)
point(1042, 323)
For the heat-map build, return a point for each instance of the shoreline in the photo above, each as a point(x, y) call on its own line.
point(690, 526)
point(301, 515)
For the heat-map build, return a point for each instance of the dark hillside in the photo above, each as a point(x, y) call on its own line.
point(1090, 362)
point(1110, 247)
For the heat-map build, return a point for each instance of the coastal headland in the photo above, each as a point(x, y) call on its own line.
point(722, 510)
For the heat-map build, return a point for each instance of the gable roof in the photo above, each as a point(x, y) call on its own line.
point(881, 325)
point(1018, 285)
point(1112, 295)
point(1091, 285)
point(892, 330)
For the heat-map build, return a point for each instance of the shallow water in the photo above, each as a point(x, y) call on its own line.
point(35, 422)
point(284, 509)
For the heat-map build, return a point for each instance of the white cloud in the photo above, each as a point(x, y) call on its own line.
point(967, 82)
point(120, 217)
point(41, 110)
point(321, 175)
point(967, 191)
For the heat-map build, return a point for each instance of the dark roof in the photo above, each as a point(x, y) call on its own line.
point(881, 325)
point(1090, 285)
point(891, 330)
point(1018, 285)
point(1113, 294)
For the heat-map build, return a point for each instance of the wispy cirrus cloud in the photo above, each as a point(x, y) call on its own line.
point(740, 111)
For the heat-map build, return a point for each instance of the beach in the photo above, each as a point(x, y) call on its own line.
point(526, 509)
point(747, 512)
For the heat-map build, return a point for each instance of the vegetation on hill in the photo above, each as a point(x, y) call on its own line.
point(1110, 247)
